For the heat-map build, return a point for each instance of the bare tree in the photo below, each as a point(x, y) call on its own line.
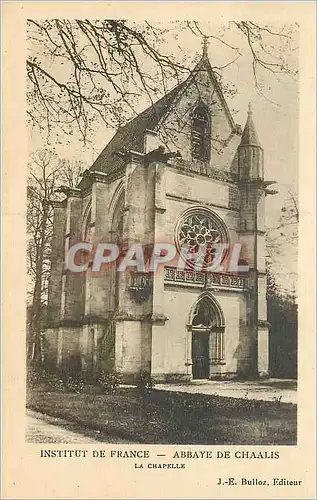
point(282, 242)
point(80, 71)
point(286, 229)
point(46, 174)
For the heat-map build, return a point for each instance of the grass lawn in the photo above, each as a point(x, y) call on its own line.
point(173, 417)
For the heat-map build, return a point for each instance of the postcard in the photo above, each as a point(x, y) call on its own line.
point(158, 264)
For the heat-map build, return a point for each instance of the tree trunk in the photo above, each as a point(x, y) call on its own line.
point(34, 350)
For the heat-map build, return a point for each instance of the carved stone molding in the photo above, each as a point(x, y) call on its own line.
point(207, 280)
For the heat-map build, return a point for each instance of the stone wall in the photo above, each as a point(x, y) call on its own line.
point(171, 348)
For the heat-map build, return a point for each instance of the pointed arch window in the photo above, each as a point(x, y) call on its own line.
point(203, 315)
point(201, 133)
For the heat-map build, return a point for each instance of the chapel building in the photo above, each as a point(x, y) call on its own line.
point(181, 172)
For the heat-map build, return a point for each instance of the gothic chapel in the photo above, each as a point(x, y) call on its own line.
point(177, 324)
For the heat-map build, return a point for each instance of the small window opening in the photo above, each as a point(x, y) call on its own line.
point(201, 134)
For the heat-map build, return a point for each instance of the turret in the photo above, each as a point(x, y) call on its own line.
point(250, 152)
point(252, 237)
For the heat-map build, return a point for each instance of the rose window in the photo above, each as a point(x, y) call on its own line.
point(198, 233)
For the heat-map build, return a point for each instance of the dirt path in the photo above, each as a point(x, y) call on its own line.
point(271, 390)
point(44, 429)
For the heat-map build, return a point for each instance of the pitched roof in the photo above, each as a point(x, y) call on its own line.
point(131, 136)
point(249, 135)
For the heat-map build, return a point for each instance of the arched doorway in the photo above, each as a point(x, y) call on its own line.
point(207, 336)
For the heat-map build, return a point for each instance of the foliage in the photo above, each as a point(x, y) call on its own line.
point(38, 376)
point(109, 381)
point(282, 241)
point(145, 383)
point(80, 71)
point(74, 384)
point(33, 376)
point(282, 315)
point(54, 382)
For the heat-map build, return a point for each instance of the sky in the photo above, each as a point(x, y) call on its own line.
point(276, 119)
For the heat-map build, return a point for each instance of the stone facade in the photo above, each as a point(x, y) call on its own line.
point(133, 321)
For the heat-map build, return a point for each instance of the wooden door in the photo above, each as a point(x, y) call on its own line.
point(200, 354)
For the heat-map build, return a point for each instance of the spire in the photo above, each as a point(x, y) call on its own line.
point(203, 62)
point(205, 47)
point(249, 135)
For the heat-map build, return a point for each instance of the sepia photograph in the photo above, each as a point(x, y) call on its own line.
point(162, 231)
point(158, 250)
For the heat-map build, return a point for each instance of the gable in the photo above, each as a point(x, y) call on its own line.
point(170, 117)
point(175, 127)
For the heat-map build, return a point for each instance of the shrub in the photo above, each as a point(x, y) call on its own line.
point(54, 382)
point(109, 381)
point(145, 383)
point(74, 384)
point(33, 377)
